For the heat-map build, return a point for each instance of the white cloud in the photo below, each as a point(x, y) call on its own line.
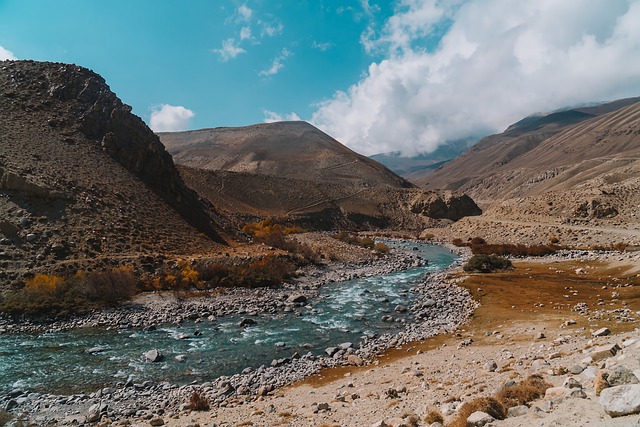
point(322, 46)
point(497, 62)
point(229, 50)
point(245, 33)
point(271, 116)
point(6, 55)
point(170, 118)
point(245, 12)
point(277, 64)
point(271, 30)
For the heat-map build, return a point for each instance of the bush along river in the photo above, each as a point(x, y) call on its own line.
point(155, 356)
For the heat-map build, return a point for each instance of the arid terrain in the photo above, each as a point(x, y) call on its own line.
point(572, 176)
point(86, 186)
point(540, 319)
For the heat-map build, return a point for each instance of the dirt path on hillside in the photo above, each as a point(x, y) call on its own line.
point(610, 230)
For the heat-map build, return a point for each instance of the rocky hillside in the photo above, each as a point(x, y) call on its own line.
point(539, 153)
point(82, 180)
point(572, 175)
point(293, 171)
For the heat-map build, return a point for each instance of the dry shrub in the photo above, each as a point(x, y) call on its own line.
point(271, 234)
point(44, 283)
point(110, 286)
point(487, 263)
point(434, 416)
point(411, 420)
point(488, 405)
point(458, 242)
point(51, 295)
point(530, 389)
point(364, 242)
point(198, 401)
point(5, 417)
point(381, 248)
point(269, 270)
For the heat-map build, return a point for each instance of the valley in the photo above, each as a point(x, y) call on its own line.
point(278, 277)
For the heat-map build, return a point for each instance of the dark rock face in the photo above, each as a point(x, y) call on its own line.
point(595, 209)
point(97, 113)
point(445, 205)
point(128, 140)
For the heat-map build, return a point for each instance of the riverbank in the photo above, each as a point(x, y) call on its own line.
point(439, 309)
point(550, 325)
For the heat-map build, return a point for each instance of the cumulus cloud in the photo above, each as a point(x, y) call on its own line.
point(496, 62)
point(229, 50)
point(277, 64)
point(6, 55)
point(244, 12)
point(170, 118)
point(271, 116)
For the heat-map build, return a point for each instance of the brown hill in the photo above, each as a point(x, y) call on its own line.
point(295, 150)
point(573, 178)
point(295, 172)
point(82, 180)
point(495, 154)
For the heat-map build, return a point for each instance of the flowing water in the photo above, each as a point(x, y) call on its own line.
point(342, 312)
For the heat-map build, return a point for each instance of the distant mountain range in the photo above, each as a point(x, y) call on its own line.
point(551, 148)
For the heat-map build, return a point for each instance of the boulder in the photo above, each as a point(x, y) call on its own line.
point(331, 350)
point(156, 421)
point(562, 393)
point(297, 298)
point(603, 352)
point(621, 400)
point(621, 375)
point(491, 366)
point(246, 322)
point(354, 360)
point(153, 356)
point(602, 332)
point(479, 419)
point(444, 205)
point(517, 411)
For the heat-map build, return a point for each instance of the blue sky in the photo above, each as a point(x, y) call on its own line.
point(380, 76)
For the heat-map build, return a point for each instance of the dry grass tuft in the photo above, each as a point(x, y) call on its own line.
point(488, 405)
point(198, 401)
point(531, 388)
point(434, 416)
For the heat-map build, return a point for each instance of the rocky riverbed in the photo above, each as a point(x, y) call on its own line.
point(439, 307)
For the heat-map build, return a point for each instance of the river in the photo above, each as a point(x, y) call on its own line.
point(343, 312)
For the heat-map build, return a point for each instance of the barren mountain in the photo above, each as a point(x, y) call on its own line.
point(526, 151)
point(294, 150)
point(564, 171)
point(82, 180)
point(293, 171)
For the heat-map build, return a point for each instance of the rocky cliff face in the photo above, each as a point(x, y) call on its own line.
point(83, 182)
point(102, 117)
point(444, 205)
